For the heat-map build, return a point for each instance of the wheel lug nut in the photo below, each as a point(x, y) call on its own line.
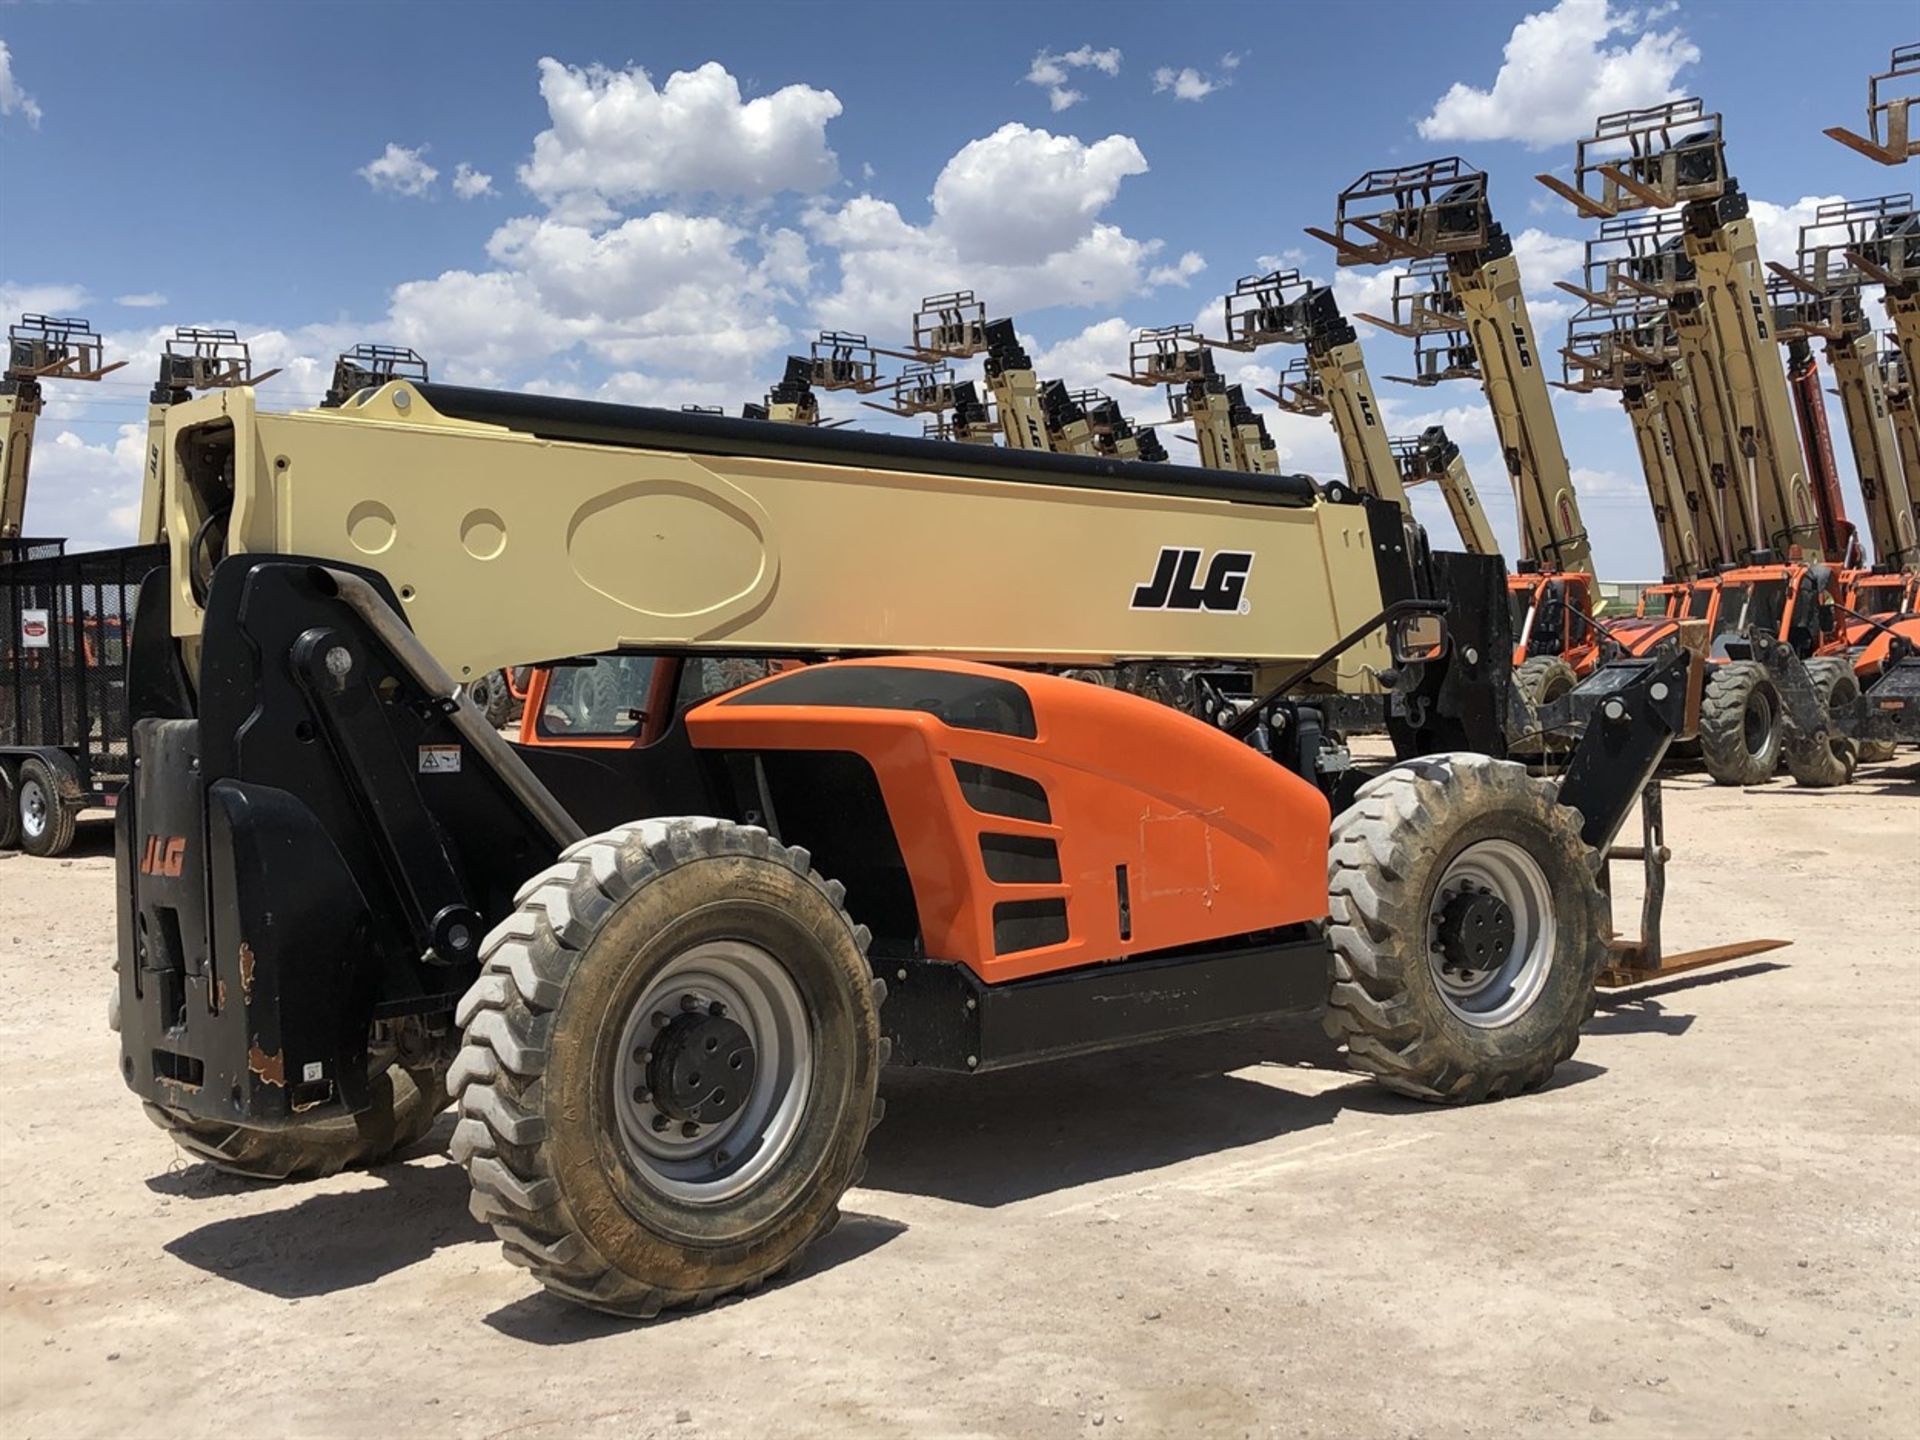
point(660, 1122)
point(716, 1008)
point(641, 1094)
point(689, 1002)
point(690, 1129)
point(659, 1019)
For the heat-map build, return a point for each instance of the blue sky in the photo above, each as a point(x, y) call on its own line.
point(676, 196)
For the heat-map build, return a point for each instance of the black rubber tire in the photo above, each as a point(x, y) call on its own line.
point(1878, 752)
point(548, 1170)
point(492, 698)
point(405, 1103)
point(1539, 680)
point(1825, 758)
point(9, 808)
point(1389, 852)
point(56, 835)
point(1740, 724)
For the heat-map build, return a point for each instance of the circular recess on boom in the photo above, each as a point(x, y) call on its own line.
point(676, 550)
point(484, 534)
point(371, 527)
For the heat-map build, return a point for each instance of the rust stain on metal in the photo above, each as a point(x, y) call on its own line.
point(272, 1069)
point(246, 972)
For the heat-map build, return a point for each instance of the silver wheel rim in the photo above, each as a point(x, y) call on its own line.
point(33, 809)
point(717, 1162)
point(1756, 723)
point(1501, 993)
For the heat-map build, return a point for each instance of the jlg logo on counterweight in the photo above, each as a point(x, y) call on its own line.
point(1173, 586)
point(164, 856)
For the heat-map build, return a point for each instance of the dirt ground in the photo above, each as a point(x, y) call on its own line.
point(1709, 1225)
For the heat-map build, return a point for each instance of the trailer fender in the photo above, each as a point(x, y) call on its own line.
point(66, 774)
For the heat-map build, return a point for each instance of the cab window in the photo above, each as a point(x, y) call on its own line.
point(702, 678)
point(603, 697)
point(1803, 622)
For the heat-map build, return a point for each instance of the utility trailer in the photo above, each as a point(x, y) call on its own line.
point(662, 979)
point(64, 622)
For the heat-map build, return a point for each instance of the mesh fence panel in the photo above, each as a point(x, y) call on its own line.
point(63, 651)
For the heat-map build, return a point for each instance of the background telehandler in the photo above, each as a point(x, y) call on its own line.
point(1462, 289)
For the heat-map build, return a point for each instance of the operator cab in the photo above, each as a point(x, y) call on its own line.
point(1549, 613)
point(1783, 602)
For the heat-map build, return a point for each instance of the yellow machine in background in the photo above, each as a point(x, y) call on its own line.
point(39, 348)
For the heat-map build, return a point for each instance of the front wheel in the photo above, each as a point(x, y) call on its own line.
point(1539, 681)
point(1740, 730)
point(1468, 929)
point(492, 698)
point(1825, 757)
point(670, 1064)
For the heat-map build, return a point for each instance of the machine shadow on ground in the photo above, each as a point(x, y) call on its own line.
point(542, 1319)
point(981, 1140)
point(1639, 1012)
point(327, 1241)
point(1001, 1138)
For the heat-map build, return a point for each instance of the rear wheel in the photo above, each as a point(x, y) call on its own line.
point(669, 1068)
point(405, 1103)
point(1740, 730)
point(46, 821)
point(1467, 929)
point(1539, 681)
point(1825, 757)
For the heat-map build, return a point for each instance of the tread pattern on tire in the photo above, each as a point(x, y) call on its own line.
point(1824, 759)
point(526, 963)
point(1539, 680)
point(406, 1102)
point(1723, 710)
point(57, 838)
point(9, 808)
point(1380, 846)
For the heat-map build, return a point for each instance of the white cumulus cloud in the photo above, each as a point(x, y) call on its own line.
point(1048, 247)
point(1544, 258)
point(1559, 73)
point(42, 299)
point(400, 170)
point(1019, 194)
point(1051, 72)
point(675, 291)
point(14, 100)
point(1187, 83)
point(142, 300)
point(1776, 228)
point(1179, 272)
point(614, 137)
point(469, 183)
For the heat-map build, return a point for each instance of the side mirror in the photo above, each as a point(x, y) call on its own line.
point(1416, 639)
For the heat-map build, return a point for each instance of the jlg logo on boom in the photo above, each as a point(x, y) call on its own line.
point(1172, 587)
point(164, 856)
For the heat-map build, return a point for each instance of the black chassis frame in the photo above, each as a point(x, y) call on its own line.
point(303, 885)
